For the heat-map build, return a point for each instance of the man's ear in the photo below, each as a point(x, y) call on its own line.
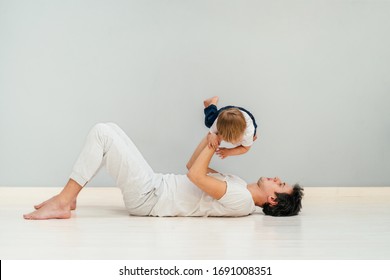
point(272, 200)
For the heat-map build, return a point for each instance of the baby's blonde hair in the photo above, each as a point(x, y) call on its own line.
point(231, 125)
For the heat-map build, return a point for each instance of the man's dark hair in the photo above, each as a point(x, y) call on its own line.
point(288, 204)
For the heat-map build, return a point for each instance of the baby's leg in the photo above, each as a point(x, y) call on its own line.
point(212, 100)
point(210, 111)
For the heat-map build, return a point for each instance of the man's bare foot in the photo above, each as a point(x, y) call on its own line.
point(209, 101)
point(53, 208)
point(72, 205)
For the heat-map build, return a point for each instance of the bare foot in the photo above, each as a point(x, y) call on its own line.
point(53, 208)
point(72, 205)
point(209, 101)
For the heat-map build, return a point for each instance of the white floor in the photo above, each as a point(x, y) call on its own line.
point(336, 223)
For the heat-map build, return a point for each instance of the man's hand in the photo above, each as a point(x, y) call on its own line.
point(213, 140)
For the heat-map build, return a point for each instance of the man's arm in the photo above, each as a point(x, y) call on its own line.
point(198, 175)
point(197, 152)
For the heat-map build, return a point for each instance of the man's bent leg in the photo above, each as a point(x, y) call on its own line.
point(123, 161)
point(89, 160)
point(108, 145)
point(132, 173)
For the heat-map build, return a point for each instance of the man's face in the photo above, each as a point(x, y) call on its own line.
point(274, 185)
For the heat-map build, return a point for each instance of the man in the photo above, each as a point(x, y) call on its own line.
point(146, 193)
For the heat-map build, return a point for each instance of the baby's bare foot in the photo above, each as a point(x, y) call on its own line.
point(209, 101)
point(53, 208)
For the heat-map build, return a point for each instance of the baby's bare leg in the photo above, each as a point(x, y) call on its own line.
point(59, 206)
point(213, 100)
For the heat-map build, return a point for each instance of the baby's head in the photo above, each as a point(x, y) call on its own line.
point(231, 125)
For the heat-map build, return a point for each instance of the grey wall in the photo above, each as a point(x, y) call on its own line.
point(314, 73)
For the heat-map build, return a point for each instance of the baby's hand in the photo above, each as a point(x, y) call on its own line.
point(213, 140)
point(223, 152)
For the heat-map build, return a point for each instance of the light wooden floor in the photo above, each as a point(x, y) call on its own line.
point(336, 223)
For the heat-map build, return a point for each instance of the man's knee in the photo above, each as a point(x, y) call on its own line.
point(101, 130)
point(99, 127)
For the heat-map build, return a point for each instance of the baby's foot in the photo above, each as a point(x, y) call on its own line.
point(54, 208)
point(209, 101)
point(72, 205)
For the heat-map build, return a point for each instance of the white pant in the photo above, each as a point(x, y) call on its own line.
point(108, 145)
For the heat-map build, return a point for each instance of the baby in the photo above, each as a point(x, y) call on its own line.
point(231, 124)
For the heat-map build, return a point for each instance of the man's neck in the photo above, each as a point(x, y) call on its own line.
point(258, 196)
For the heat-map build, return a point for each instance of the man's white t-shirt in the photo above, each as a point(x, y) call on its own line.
point(178, 196)
point(247, 140)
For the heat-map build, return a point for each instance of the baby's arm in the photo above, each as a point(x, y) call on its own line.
point(239, 150)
